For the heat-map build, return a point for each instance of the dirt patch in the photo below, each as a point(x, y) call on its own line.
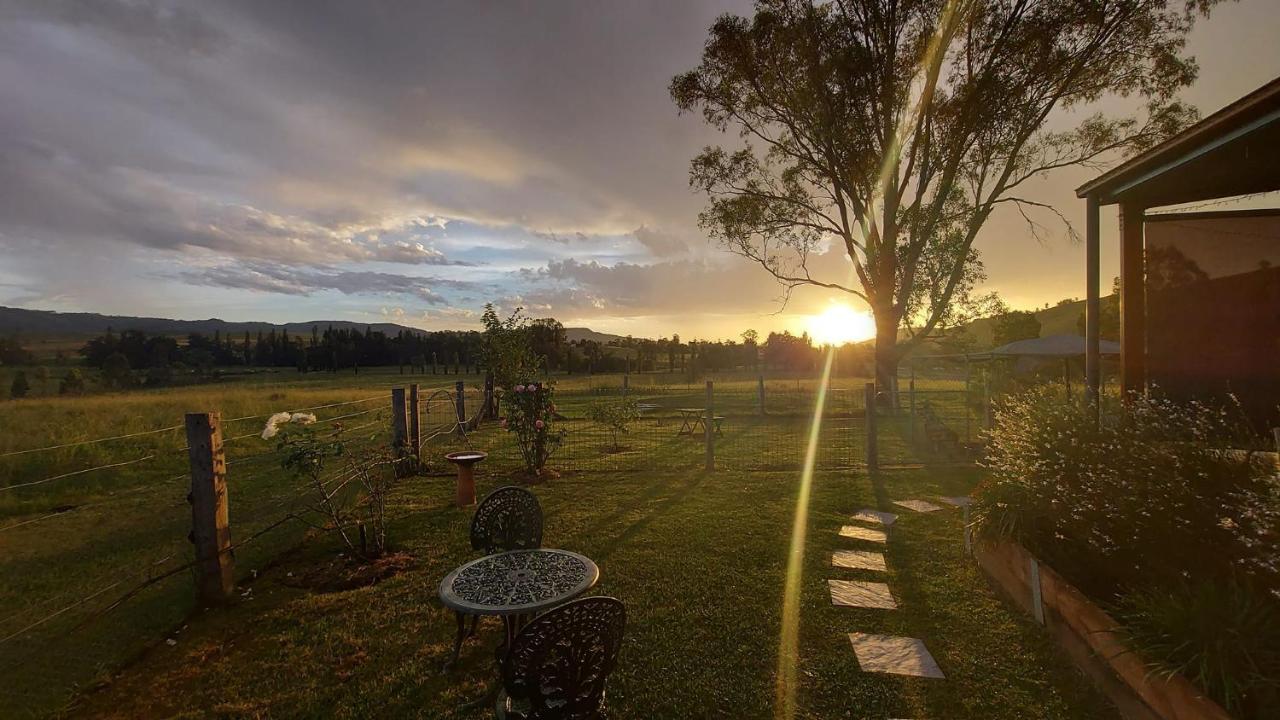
point(348, 573)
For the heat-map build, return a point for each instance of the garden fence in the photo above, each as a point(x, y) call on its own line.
point(115, 532)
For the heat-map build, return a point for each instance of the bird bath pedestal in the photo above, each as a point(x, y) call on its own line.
point(466, 461)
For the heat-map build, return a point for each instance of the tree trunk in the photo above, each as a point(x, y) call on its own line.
point(886, 354)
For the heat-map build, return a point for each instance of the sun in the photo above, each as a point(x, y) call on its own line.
point(840, 324)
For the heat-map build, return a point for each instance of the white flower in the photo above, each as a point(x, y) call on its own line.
point(275, 421)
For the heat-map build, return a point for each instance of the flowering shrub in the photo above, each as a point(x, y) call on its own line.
point(530, 415)
point(1151, 501)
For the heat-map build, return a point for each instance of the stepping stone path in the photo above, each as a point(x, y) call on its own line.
point(875, 517)
point(880, 653)
point(894, 655)
point(857, 532)
point(856, 593)
point(858, 560)
point(958, 501)
point(923, 506)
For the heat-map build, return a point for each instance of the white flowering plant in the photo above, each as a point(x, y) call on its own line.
point(531, 416)
point(1153, 502)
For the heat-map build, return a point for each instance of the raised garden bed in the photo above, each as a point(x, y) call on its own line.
point(1087, 634)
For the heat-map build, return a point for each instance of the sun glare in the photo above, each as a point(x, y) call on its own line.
point(840, 324)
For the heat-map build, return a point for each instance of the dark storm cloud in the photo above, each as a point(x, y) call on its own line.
point(284, 280)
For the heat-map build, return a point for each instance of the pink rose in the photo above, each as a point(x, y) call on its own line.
point(519, 388)
point(538, 424)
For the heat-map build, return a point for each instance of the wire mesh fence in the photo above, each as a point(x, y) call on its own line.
point(94, 532)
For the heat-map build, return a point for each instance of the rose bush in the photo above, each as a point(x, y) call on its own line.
point(530, 416)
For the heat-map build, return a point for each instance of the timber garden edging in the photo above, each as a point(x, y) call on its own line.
point(1087, 635)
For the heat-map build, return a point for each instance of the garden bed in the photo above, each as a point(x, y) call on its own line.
point(1087, 634)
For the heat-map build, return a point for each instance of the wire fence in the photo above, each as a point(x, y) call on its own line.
point(94, 532)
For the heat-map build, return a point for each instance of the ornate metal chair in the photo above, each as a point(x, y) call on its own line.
point(558, 664)
point(509, 518)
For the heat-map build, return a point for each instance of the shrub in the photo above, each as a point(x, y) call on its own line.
point(72, 383)
point(1224, 637)
point(20, 386)
point(1148, 493)
point(614, 416)
point(530, 415)
point(1143, 512)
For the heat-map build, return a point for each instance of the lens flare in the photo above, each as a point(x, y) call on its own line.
point(788, 645)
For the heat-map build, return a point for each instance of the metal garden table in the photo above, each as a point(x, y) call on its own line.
point(515, 586)
point(689, 420)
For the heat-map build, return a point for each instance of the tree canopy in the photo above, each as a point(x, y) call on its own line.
point(892, 130)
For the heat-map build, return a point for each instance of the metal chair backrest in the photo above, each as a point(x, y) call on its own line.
point(558, 664)
point(509, 518)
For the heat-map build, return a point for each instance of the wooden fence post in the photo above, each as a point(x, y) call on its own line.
point(399, 419)
point(415, 422)
point(210, 515)
point(760, 393)
point(708, 426)
point(460, 405)
point(869, 400)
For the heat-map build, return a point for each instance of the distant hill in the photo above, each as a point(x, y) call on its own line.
point(576, 334)
point(43, 324)
point(1058, 320)
point(48, 323)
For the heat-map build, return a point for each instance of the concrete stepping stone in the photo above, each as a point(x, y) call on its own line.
point(959, 501)
point(875, 516)
point(858, 560)
point(856, 593)
point(857, 532)
point(894, 655)
point(923, 506)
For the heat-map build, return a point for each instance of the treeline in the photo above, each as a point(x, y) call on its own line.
point(118, 355)
point(328, 349)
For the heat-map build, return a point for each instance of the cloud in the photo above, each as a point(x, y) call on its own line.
point(660, 243)
point(284, 280)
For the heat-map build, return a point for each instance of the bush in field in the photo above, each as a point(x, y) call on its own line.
point(614, 416)
point(115, 371)
point(20, 387)
point(1145, 505)
point(72, 383)
point(530, 415)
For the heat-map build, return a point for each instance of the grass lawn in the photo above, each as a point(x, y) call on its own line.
point(699, 560)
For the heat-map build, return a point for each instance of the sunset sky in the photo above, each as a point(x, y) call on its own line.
point(291, 161)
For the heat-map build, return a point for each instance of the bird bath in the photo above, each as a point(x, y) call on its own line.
point(466, 461)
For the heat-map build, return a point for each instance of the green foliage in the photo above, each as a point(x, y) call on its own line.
point(1015, 325)
point(1223, 636)
point(507, 350)
point(894, 136)
point(115, 371)
point(72, 383)
point(531, 416)
point(19, 388)
point(1151, 500)
point(614, 416)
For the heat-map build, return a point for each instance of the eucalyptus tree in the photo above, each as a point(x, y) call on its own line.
point(889, 131)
